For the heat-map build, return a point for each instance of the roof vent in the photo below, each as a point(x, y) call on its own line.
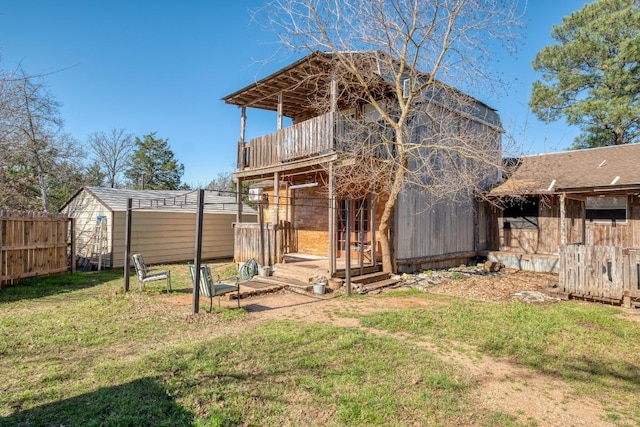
point(604, 162)
point(615, 180)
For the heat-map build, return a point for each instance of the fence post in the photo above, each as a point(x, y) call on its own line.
point(72, 236)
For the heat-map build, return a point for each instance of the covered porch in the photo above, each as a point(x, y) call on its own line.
point(303, 220)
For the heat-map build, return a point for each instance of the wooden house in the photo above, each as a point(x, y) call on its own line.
point(292, 171)
point(589, 197)
point(163, 224)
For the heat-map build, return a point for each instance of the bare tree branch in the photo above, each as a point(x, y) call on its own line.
point(395, 62)
point(112, 151)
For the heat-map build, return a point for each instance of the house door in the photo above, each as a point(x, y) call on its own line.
point(357, 212)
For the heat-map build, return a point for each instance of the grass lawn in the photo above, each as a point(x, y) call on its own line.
point(77, 351)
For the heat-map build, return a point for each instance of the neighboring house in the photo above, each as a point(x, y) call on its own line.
point(163, 226)
point(588, 197)
point(291, 170)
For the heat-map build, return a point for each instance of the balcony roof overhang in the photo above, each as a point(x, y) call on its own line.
point(299, 83)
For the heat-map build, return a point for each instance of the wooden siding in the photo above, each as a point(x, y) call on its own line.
point(424, 231)
point(546, 239)
point(487, 225)
point(32, 244)
point(604, 273)
point(305, 139)
point(619, 234)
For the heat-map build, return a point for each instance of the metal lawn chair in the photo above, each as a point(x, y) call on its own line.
point(144, 276)
point(214, 288)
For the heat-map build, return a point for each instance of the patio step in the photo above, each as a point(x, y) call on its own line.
point(355, 271)
point(380, 284)
point(299, 273)
point(370, 278)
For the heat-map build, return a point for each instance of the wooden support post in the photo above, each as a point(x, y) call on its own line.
point(239, 200)
point(243, 124)
point(332, 222)
point(127, 244)
point(373, 226)
point(276, 217)
point(360, 215)
point(197, 259)
point(241, 145)
point(347, 271)
point(279, 119)
point(563, 220)
point(583, 206)
point(334, 93)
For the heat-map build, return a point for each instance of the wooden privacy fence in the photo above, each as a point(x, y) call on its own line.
point(247, 243)
point(32, 244)
point(603, 273)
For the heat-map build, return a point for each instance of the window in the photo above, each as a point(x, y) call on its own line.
point(609, 209)
point(521, 214)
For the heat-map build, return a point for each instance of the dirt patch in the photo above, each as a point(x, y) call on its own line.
point(505, 285)
point(503, 386)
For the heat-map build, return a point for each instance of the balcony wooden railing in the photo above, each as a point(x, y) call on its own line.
point(306, 139)
point(330, 132)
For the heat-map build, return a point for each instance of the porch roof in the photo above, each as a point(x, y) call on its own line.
point(579, 171)
point(299, 83)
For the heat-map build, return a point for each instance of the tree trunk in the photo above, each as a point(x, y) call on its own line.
point(388, 264)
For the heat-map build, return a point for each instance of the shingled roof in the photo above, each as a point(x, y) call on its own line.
point(589, 170)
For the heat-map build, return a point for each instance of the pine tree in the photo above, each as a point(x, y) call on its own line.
point(153, 165)
point(592, 76)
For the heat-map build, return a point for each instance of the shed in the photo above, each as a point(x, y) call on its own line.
point(163, 224)
point(581, 197)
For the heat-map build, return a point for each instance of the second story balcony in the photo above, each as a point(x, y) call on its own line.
point(307, 139)
point(316, 137)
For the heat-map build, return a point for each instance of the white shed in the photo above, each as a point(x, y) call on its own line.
point(163, 224)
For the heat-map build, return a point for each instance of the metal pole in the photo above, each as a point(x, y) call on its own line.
point(198, 253)
point(347, 260)
point(127, 244)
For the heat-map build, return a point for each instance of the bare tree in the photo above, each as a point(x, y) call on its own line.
point(36, 123)
point(36, 157)
point(222, 182)
point(112, 151)
point(391, 61)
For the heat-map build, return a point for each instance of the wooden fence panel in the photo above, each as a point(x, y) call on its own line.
point(606, 273)
point(247, 243)
point(632, 270)
point(32, 244)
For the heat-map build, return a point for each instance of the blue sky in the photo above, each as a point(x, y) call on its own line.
point(162, 66)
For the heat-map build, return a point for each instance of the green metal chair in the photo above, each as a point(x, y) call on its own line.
point(144, 276)
point(214, 288)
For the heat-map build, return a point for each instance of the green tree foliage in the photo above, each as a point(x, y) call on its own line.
point(153, 165)
point(591, 77)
